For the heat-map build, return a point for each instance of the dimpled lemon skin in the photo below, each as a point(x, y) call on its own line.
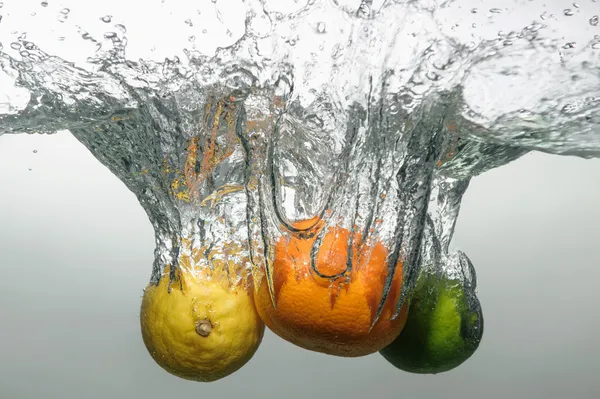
point(170, 331)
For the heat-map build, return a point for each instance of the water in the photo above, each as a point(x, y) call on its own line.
point(371, 115)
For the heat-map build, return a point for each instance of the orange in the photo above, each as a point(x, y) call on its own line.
point(332, 315)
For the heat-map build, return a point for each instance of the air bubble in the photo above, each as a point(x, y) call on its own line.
point(594, 20)
point(35, 151)
point(495, 10)
point(106, 19)
point(568, 12)
point(321, 27)
point(189, 22)
point(569, 45)
point(44, 4)
point(474, 11)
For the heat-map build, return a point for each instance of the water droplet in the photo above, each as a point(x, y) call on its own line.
point(192, 38)
point(204, 31)
point(214, 1)
point(534, 27)
point(321, 27)
point(44, 4)
point(110, 35)
point(33, 14)
point(121, 27)
point(106, 19)
point(575, 5)
point(568, 12)
point(474, 25)
point(189, 22)
point(474, 11)
point(507, 42)
point(495, 10)
point(596, 46)
point(63, 15)
point(569, 45)
point(432, 76)
point(35, 151)
point(15, 45)
point(292, 42)
point(337, 51)
point(594, 20)
point(30, 169)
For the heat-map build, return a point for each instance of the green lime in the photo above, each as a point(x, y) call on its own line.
point(443, 329)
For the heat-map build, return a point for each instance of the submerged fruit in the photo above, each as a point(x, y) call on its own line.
point(443, 329)
point(198, 328)
point(326, 314)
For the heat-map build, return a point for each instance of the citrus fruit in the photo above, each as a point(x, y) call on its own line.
point(199, 328)
point(443, 329)
point(334, 315)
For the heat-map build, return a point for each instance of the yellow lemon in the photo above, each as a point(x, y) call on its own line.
point(198, 328)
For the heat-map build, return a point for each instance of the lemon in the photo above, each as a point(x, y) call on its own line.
point(198, 328)
point(443, 329)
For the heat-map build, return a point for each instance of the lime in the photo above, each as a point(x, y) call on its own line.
point(443, 329)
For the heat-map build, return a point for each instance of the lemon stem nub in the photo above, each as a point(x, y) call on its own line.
point(203, 328)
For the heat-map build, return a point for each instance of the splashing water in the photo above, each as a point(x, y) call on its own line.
point(370, 115)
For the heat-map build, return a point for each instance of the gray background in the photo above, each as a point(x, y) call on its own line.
point(76, 251)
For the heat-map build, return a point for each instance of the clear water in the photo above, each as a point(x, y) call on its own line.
point(372, 115)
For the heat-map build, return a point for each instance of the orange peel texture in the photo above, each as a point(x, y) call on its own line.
point(332, 315)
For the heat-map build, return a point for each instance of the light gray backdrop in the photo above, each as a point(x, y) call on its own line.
point(76, 251)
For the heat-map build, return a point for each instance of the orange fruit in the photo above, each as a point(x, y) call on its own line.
point(332, 315)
